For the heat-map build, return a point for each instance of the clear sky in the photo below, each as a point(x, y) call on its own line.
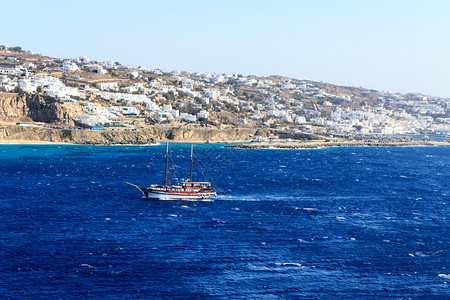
point(391, 45)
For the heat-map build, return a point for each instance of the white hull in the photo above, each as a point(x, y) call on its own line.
point(200, 196)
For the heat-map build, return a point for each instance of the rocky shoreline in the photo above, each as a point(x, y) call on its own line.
point(18, 134)
point(321, 144)
point(38, 135)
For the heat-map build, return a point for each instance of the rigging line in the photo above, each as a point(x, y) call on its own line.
point(204, 169)
point(213, 162)
point(168, 178)
point(173, 165)
point(201, 165)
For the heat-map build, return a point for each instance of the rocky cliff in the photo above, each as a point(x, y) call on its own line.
point(37, 108)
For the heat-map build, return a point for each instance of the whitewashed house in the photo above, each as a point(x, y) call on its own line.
point(300, 120)
point(29, 66)
point(174, 112)
point(97, 69)
point(109, 64)
point(92, 120)
point(124, 110)
point(187, 117)
point(203, 114)
point(69, 66)
point(82, 60)
point(107, 86)
point(28, 85)
point(187, 83)
point(130, 89)
point(156, 72)
point(212, 93)
point(7, 84)
point(11, 71)
point(135, 74)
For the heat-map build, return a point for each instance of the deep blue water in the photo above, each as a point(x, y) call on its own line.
point(327, 223)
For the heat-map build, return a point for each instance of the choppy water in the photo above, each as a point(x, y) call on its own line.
point(327, 223)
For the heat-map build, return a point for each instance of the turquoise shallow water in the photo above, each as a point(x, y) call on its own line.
point(326, 223)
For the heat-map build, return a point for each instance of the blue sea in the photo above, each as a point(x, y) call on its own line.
point(332, 223)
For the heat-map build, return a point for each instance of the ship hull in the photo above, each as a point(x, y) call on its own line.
point(168, 195)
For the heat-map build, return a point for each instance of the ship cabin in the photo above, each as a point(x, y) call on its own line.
point(198, 185)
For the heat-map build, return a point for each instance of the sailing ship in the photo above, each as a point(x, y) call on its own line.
point(184, 190)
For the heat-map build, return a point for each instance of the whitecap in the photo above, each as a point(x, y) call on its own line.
point(309, 208)
point(289, 264)
point(446, 276)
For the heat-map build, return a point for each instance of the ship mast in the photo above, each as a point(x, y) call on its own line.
point(192, 160)
point(167, 164)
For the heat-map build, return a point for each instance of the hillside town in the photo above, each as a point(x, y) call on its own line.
point(111, 95)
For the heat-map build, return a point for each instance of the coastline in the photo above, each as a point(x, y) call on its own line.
point(235, 137)
point(11, 134)
point(260, 145)
point(320, 144)
point(31, 142)
point(155, 142)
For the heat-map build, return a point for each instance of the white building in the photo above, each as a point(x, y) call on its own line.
point(156, 72)
point(7, 84)
point(124, 110)
point(11, 71)
point(135, 74)
point(29, 66)
point(82, 60)
point(212, 93)
point(105, 86)
point(92, 120)
point(97, 69)
point(187, 84)
point(68, 66)
point(167, 107)
point(203, 114)
point(130, 89)
point(109, 64)
point(28, 85)
point(187, 117)
point(300, 119)
point(173, 112)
